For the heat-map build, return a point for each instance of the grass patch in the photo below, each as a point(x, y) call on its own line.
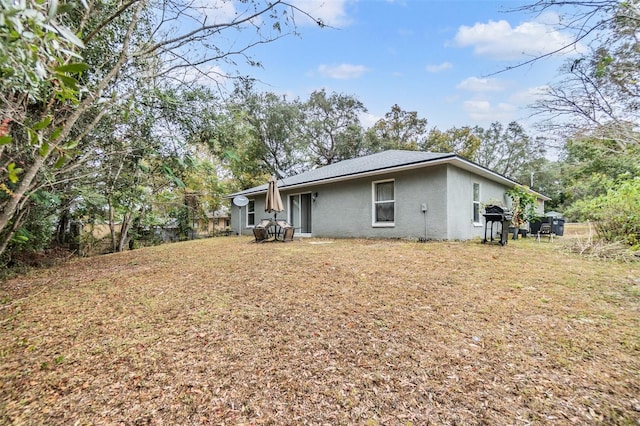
point(221, 331)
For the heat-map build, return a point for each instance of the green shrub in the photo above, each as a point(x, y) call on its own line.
point(616, 214)
point(523, 206)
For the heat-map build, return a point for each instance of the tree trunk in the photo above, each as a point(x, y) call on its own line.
point(11, 207)
point(124, 231)
point(16, 224)
point(61, 229)
point(112, 228)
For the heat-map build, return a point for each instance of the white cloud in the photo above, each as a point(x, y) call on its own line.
point(451, 99)
point(330, 12)
point(207, 76)
point(548, 18)
point(439, 67)
point(368, 119)
point(342, 71)
point(528, 96)
point(475, 84)
point(216, 10)
point(483, 111)
point(499, 40)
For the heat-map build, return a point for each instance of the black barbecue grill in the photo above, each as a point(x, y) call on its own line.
point(497, 215)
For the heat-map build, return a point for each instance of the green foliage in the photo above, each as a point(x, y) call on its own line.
point(34, 41)
point(460, 140)
point(272, 125)
point(331, 127)
point(13, 172)
point(398, 129)
point(96, 99)
point(616, 214)
point(36, 230)
point(549, 178)
point(524, 205)
point(509, 150)
point(602, 64)
point(186, 222)
point(31, 40)
point(203, 180)
point(601, 155)
point(591, 167)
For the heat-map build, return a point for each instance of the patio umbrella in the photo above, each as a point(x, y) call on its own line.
point(273, 202)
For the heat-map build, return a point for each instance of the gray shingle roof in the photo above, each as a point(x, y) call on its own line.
point(353, 167)
point(379, 163)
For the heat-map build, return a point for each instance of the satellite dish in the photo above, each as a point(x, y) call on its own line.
point(240, 201)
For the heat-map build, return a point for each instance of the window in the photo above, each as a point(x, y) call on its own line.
point(476, 202)
point(384, 204)
point(251, 213)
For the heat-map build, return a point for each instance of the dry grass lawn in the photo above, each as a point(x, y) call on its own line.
point(221, 331)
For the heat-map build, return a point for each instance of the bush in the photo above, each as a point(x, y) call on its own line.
point(523, 206)
point(616, 214)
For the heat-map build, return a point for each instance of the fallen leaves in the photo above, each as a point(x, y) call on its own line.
point(220, 331)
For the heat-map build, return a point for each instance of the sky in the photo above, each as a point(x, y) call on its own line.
point(436, 57)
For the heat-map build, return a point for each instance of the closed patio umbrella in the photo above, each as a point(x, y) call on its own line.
point(273, 202)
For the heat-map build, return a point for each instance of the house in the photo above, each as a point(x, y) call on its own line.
point(391, 194)
point(217, 222)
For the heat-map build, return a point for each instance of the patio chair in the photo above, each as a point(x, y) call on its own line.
point(261, 231)
point(285, 231)
point(260, 234)
point(546, 229)
point(264, 223)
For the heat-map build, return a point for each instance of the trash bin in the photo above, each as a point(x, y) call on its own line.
point(534, 225)
point(558, 226)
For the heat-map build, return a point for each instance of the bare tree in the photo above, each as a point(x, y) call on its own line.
point(582, 18)
point(598, 95)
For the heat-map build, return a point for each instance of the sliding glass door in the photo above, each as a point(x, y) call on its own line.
point(300, 211)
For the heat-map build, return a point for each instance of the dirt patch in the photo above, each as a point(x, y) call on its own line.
point(221, 331)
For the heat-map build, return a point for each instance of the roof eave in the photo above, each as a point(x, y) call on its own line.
point(349, 176)
point(490, 174)
point(451, 159)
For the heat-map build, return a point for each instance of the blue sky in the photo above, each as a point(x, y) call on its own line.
point(435, 57)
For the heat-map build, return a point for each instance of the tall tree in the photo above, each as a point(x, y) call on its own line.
point(550, 177)
point(591, 166)
point(228, 137)
point(463, 141)
point(331, 127)
point(510, 151)
point(398, 129)
point(56, 87)
point(274, 124)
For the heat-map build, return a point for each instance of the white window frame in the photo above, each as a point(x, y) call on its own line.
point(374, 202)
point(253, 212)
point(476, 203)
